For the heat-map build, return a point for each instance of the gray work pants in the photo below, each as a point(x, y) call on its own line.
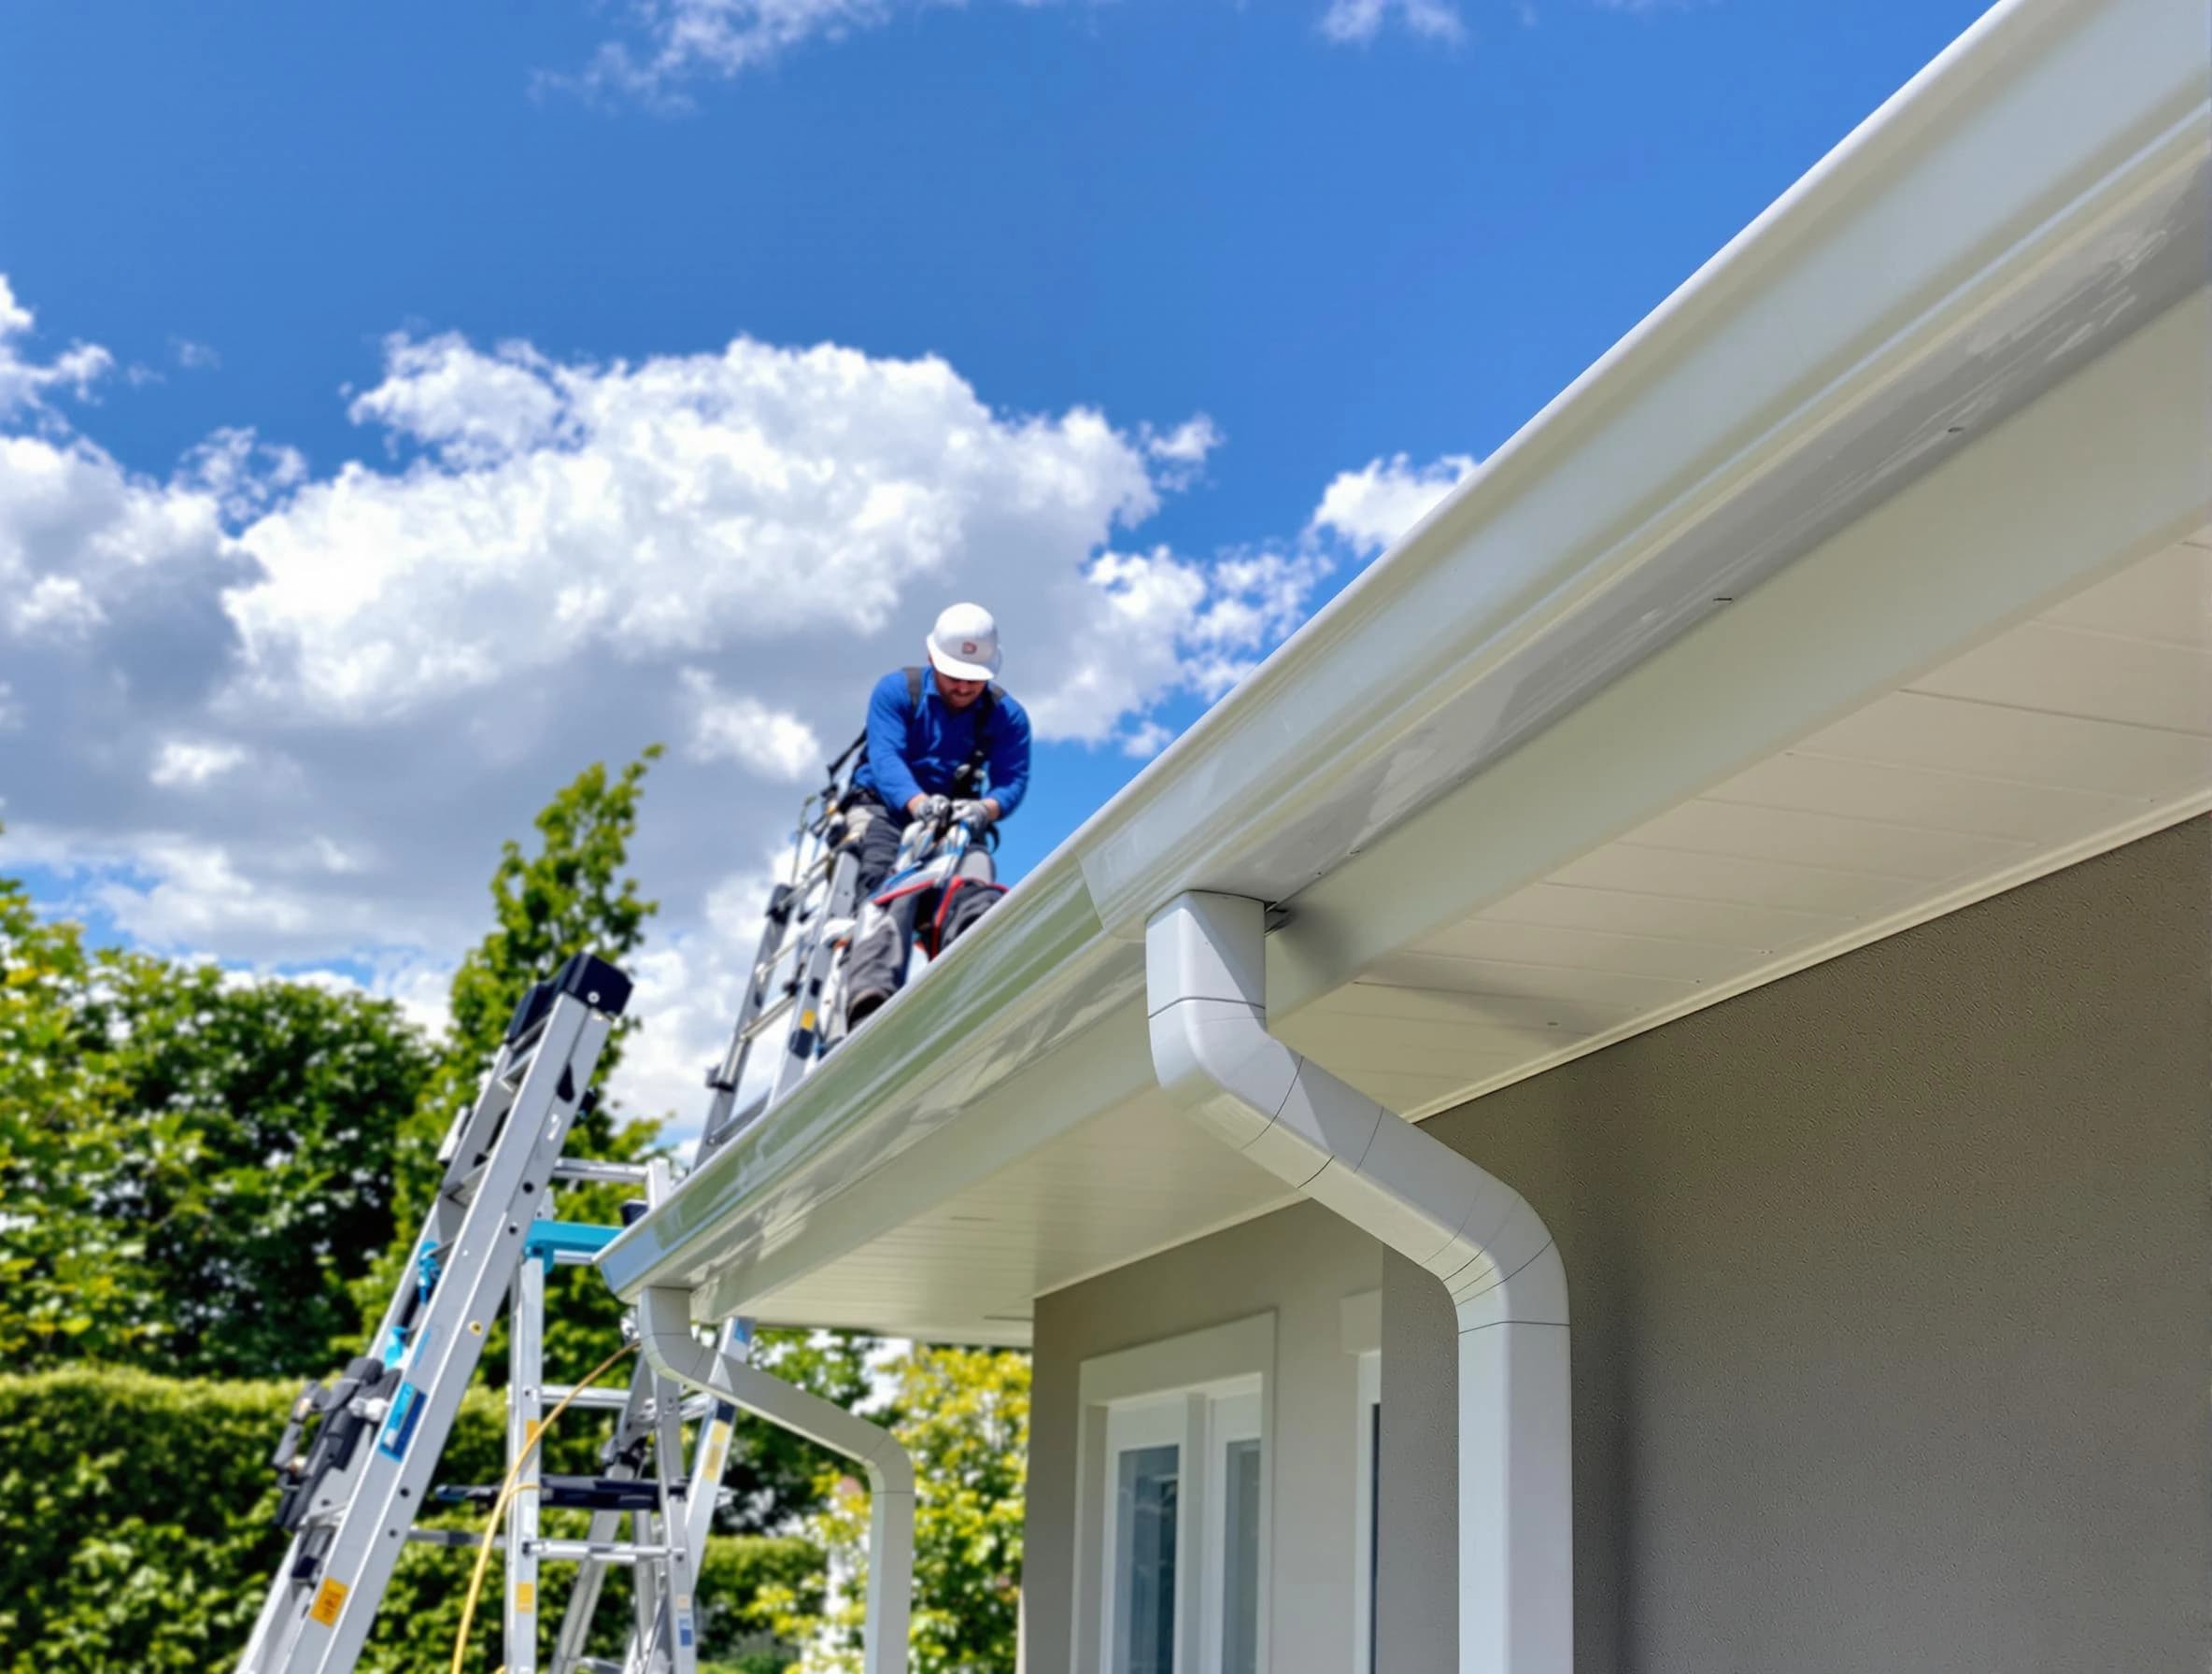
point(877, 964)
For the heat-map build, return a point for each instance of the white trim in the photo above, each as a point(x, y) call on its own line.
point(1364, 1530)
point(1360, 1327)
point(1359, 1319)
point(1198, 1391)
point(1222, 1355)
point(1227, 1419)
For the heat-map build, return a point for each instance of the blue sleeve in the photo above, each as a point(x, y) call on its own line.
point(1010, 756)
point(888, 715)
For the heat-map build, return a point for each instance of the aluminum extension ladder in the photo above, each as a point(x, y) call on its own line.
point(352, 1495)
point(799, 967)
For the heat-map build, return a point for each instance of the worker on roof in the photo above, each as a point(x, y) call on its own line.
point(947, 746)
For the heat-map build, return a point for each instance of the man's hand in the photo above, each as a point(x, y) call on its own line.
point(930, 810)
point(976, 816)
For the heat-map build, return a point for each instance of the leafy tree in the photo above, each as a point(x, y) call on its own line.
point(73, 1278)
point(572, 895)
point(191, 1170)
point(964, 1416)
point(259, 1175)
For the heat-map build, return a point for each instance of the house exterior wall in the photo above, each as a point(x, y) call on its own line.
point(1300, 1264)
point(1890, 1319)
point(1888, 1299)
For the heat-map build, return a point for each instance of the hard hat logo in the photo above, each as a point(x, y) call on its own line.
point(964, 644)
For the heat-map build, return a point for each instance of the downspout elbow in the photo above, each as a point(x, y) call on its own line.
point(670, 1348)
point(1205, 975)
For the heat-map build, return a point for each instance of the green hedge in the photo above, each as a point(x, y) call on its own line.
point(137, 1536)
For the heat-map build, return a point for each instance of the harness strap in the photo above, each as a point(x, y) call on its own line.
point(970, 773)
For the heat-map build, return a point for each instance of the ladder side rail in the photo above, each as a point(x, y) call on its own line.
point(834, 935)
point(331, 1612)
point(526, 1367)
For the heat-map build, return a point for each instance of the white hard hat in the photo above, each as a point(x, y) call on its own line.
point(964, 645)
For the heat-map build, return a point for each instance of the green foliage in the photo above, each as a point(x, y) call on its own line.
point(192, 1170)
point(572, 895)
point(72, 1279)
point(138, 1509)
point(964, 1416)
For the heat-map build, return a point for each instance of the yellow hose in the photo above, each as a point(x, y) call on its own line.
point(507, 1490)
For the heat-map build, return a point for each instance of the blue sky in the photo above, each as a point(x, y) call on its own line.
point(1222, 291)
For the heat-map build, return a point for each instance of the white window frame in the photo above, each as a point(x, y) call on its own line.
point(1361, 1323)
point(1203, 1390)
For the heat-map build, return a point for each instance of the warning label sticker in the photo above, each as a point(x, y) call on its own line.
point(330, 1599)
point(526, 1597)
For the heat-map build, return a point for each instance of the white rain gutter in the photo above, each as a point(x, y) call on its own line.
point(1205, 965)
point(665, 1331)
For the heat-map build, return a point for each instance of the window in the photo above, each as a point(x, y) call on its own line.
point(1179, 1466)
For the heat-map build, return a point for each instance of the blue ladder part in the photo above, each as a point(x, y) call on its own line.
point(549, 1240)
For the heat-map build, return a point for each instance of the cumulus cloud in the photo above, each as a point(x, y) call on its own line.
point(1356, 23)
point(285, 718)
point(24, 382)
point(1369, 508)
point(190, 764)
point(679, 41)
point(746, 731)
point(673, 43)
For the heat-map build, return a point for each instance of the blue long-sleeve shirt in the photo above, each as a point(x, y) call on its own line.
point(914, 749)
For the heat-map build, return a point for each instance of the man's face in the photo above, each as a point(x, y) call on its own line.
point(957, 694)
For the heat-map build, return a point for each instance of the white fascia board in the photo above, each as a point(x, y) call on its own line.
point(2024, 204)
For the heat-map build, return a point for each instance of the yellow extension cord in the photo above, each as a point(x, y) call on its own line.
point(507, 1490)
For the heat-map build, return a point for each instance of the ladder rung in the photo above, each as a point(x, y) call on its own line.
point(604, 1173)
point(604, 1400)
point(767, 1014)
point(592, 1552)
point(453, 1537)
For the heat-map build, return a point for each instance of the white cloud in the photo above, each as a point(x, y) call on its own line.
point(188, 765)
point(1369, 508)
point(686, 38)
point(1356, 23)
point(56, 605)
point(24, 383)
point(294, 715)
point(193, 357)
point(743, 729)
point(1181, 454)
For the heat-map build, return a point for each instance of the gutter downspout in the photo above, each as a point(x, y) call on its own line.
point(665, 1331)
point(1205, 966)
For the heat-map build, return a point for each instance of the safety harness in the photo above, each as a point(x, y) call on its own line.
point(970, 773)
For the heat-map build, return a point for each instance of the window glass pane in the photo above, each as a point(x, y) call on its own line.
point(1144, 1562)
point(1239, 1561)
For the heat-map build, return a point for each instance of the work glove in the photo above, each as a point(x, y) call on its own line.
point(934, 810)
point(976, 816)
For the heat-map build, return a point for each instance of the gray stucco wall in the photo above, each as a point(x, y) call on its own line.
point(1301, 1264)
point(1889, 1306)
